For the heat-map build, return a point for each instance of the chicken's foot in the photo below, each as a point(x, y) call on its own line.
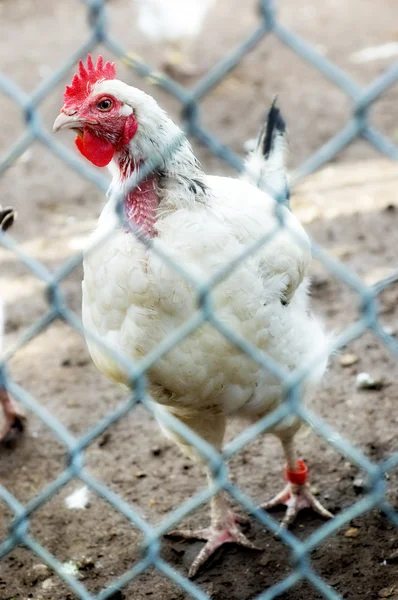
point(296, 495)
point(224, 529)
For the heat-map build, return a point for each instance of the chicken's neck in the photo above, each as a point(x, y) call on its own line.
point(179, 183)
point(140, 205)
point(140, 202)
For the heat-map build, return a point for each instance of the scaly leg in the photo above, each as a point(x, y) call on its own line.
point(224, 529)
point(224, 526)
point(297, 494)
point(14, 419)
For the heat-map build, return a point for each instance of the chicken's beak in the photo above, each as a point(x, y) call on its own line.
point(64, 121)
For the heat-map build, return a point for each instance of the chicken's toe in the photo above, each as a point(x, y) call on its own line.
point(215, 536)
point(295, 498)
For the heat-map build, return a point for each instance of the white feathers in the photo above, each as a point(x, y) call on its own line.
point(172, 20)
point(133, 300)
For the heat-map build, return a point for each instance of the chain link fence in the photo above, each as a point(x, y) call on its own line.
point(357, 125)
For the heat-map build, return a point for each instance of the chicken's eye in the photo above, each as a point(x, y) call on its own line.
point(105, 104)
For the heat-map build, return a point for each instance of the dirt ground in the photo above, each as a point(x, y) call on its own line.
point(350, 211)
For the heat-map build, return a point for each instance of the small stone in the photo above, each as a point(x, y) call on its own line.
point(386, 592)
point(37, 574)
point(79, 499)
point(365, 381)
point(264, 560)
point(41, 571)
point(157, 451)
point(315, 490)
point(359, 485)
point(346, 360)
point(47, 584)
point(140, 474)
point(352, 532)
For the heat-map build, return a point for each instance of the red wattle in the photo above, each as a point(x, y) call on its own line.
point(98, 151)
point(130, 129)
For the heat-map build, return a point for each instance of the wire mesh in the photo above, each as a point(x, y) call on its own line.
point(357, 125)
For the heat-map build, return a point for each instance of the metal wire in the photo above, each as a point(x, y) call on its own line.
point(357, 125)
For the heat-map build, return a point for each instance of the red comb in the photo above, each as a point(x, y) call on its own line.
point(81, 83)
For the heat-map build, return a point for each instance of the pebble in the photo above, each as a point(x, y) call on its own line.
point(359, 484)
point(41, 570)
point(264, 560)
point(37, 573)
point(47, 584)
point(365, 381)
point(352, 532)
point(346, 360)
point(387, 592)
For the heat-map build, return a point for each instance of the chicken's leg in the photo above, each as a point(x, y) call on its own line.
point(296, 495)
point(14, 419)
point(224, 529)
point(224, 526)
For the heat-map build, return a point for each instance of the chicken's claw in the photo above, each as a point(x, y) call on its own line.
point(215, 536)
point(296, 497)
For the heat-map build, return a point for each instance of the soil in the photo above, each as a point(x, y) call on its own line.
point(57, 208)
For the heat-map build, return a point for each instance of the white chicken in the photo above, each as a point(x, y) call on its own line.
point(176, 24)
point(14, 420)
point(132, 300)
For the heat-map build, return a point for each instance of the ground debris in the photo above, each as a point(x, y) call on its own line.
point(359, 485)
point(365, 381)
point(346, 360)
point(388, 592)
point(352, 532)
point(79, 499)
point(39, 572)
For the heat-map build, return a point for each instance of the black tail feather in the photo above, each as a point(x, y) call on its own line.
point(275, 125)
point(265, 167)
